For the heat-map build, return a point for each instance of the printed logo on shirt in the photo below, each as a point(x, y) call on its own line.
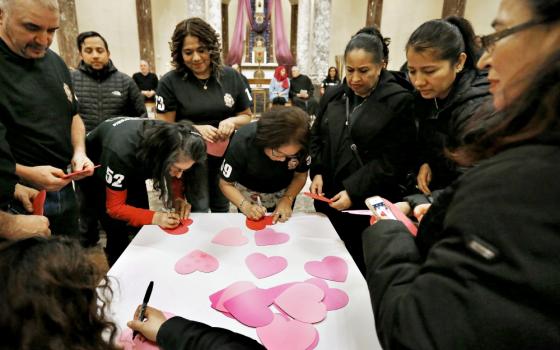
point(228, 100)
point(116, 93)
point(308, 160)
point(293, 163)
point(249, 95)
point(226, 169)
point(68, 92)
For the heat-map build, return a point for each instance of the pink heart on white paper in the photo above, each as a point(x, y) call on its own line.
point(330, 268)
point(303, 301)
point(138, 343)
point(270, 237)
point(283, 333)
point(251, 307)
point(274, 292)
point(232, 236)
point(196, 260)
point(229, 292)
point(334, 298)
point(263, 266)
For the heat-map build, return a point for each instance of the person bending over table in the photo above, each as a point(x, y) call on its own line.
point(65, 290)
point(131, 151)
point(201, 89)
point(266, 164)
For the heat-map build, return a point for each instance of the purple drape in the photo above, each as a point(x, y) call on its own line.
point(235, 52)
point(281, 47)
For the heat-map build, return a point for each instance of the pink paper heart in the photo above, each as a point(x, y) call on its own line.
point(231, 236)
point(262, 266)
point(196, 260)
point(229, 292)
point(181, 229)
point(334, 298)
point(138, 343)
point(331, 268)
point(251, 307)
point(270, 237)
point(282, 334)
point(302, 301)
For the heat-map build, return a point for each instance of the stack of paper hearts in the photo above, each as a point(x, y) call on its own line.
point(284, 315)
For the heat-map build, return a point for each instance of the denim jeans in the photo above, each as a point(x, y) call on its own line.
point(61, 208)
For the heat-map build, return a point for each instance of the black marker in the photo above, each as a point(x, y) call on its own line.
point(144, 305)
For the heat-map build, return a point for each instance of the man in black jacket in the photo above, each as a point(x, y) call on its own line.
point(301, 92)
point(103, 92)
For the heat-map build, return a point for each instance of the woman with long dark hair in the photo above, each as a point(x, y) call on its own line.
point(361, 140)
point(131, 151)
point(201, 89)
point(332, 80)
point(442, 58)
point(483, 271)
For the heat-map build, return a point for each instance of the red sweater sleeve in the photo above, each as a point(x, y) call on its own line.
point(118, 209)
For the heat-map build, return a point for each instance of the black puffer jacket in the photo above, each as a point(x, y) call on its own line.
point(106, 94)
point(441, 123)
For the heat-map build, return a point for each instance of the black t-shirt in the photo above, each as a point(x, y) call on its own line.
point(185, 94)
point(37, 104)
point(114, 144)
point(248, 165)
point(8, 178)
point(146, 82)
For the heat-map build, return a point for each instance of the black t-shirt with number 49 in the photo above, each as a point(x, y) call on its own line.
point(203, 101)
point(248, 165)
point(114, 144)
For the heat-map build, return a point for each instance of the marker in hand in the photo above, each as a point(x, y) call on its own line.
point(144, 305)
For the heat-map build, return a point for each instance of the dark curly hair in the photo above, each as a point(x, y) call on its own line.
point(162, 145)
point(51, 298)
point(206, 35)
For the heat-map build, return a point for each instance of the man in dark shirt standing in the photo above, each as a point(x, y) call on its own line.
point(301, 92)
point(37, 106)
point(146, 81)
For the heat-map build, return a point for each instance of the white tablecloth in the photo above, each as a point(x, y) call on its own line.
point(153, 253)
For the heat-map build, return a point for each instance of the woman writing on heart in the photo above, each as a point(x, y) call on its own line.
point(131, 151)
point(266, 164)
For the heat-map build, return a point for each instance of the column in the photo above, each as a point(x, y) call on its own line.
point(321, 40)
point(145, 31)
point(453, 8)
point(196, 8)
point(305, 15)
point(294, 28)
point(67, 33)
point(374, 11)
point(225, 28)
point(214, 15)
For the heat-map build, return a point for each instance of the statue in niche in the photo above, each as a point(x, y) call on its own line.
point(259, 36)
point(259, 52)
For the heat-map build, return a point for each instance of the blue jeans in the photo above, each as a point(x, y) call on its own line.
point(61, 208)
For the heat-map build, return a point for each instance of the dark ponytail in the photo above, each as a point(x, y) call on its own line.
point(366, 39)
point(384, 41)
point(449, 37)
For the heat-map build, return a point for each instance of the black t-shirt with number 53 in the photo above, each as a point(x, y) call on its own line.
point(114, 144)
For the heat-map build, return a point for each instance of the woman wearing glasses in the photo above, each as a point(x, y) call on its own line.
point(266, 164)
point(362, 139)
point(442, 59)
point(201, 89)
point(488, 277)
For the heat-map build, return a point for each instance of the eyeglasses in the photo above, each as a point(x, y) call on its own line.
point(278, 154)
point(489, 41)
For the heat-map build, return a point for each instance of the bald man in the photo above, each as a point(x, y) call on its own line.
point(45, 134)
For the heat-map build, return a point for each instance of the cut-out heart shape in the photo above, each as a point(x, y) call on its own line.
point(318, 197)
point(39, 203)
point(181, 229)
point(196, 260)
point(256, 225)
point(251, 307)
point(303, 301)
point(283, 333)
point(330, 268)
point(138, 343)
point(231, 236)
point(401, 217)
point(270, 237)
point(263, 266)
point(274, 292)
point(217, 149)
point(217, 299)
point(334, 298)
